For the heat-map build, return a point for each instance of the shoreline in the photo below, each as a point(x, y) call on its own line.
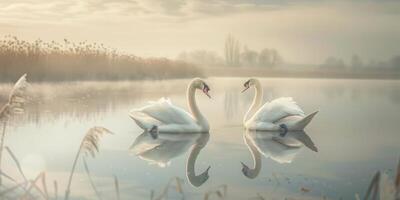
point(312, 73)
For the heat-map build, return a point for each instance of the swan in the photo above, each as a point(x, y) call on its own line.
point(271, 145)
point(162, 149)
point(163, 116)
point(282, 114)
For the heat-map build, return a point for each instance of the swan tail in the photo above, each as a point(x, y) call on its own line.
point(143, 121)
point(300, 125)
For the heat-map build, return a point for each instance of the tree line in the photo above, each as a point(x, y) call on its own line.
point(235, 55)
point(357, 62)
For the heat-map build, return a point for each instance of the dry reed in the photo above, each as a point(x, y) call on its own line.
point(96, 191)
point(221, 192)
point(14, 105)
point(55, 61)
point(116, 184)
point(55, 184)
point(16, 162)
point(89, 144)
point(383, 188)
point(165, 191)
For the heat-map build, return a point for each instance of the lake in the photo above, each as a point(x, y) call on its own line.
point(355, 132)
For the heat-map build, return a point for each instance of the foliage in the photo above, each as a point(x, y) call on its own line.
point(54, 61)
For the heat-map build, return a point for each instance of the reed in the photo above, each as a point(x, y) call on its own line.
point(64, 61)
point(381, 187)
point(89, 145)
point(397, 182)
point(33, 185)
point(221, 192)
point(164, 194)
point(96, 191)
point(14, 105)
point(16, 162)
point(55, 185)
point(116, 184)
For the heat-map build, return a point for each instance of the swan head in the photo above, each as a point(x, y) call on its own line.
point(249, 173)
point(201, 85)
point(249, 83)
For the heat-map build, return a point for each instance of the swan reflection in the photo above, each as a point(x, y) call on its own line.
point(160, 150)
point(272, 145)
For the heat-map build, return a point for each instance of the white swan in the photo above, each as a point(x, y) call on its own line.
point(277, 115)
point(271, 145)
point(164, 147)
point(163, 116)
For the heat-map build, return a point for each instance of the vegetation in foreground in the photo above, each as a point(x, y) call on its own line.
point(53, 61)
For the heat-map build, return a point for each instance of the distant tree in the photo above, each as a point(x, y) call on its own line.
point(249, 58)
point(232, 51)
point(395, 62)
point(269, 58)
point(356, 61)
point(201, 58)
point(333, 62)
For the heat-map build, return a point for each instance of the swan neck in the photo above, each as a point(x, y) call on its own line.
point(258, 95)
point(191, 98)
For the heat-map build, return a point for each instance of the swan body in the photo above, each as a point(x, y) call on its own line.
point(167, 146)
point(163, 116)
point(274, 115)
point(271, 145)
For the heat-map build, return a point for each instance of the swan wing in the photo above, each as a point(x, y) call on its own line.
point(163, 112)
point(277, 109)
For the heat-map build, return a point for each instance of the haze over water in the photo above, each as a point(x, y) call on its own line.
point(356, 133)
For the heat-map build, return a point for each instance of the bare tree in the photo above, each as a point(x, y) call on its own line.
point(232, 51)
point(395, 62)
point(356, 61)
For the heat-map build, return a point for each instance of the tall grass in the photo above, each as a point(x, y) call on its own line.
point(89, 146)
point(14, 105)
point(63, 61)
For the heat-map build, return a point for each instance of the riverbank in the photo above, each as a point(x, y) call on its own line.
point(303, 72)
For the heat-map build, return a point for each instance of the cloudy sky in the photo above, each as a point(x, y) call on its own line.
point(304, 31)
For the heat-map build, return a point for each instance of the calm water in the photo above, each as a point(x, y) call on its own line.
point(356, 134)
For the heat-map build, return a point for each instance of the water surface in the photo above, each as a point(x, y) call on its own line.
point(355, 132)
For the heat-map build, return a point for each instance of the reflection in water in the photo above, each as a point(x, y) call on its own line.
point(352, 109)
point(166, 146)
point(231, 101)
point(272, 145)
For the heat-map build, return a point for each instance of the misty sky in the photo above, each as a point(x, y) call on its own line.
point(304, 31)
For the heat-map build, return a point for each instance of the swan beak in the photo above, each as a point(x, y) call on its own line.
point(208, 95)
point(245, 89)
point(208, 169)
point(205, 91)
point(243, 165)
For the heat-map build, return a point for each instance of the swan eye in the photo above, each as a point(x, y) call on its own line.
point(247, 83)
point(206, 88)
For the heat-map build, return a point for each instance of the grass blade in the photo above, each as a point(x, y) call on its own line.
point(55, 190)
point(44, 185)
point(373, 187)
point(90, 178)
point(16, 162)
point(7, 176)
point(397, 182)
point(116, 187)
